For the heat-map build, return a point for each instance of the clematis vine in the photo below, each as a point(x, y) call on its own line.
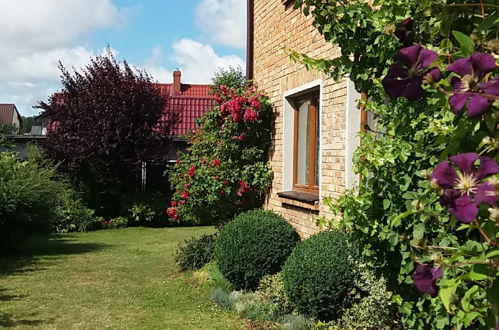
point(406, 80)
point(425, 278)
point(462, 184)
point(471, 90)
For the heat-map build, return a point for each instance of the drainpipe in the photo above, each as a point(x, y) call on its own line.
point(250, 39)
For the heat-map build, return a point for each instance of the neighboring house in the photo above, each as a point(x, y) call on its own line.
point(317, 120)
point(10, 116)
point(191, 101)
point(18, 141)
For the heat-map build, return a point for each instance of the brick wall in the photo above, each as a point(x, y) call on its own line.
point(279, 27)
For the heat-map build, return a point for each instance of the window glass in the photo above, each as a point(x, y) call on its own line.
point(303, 149)
point(317, 144)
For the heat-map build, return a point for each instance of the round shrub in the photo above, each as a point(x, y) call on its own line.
point(254, 244)
point(319, 273)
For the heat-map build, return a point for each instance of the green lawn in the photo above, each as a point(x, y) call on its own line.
point(115, 279)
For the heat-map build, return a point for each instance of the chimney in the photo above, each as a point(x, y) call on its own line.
point(176, 82)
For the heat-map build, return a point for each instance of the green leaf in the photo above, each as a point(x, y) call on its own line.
point(419, 231)
point(463, 227)
point(468, 296)
point(447, 292)
point(396, 221)
point(492, 254)
point(470, 317)
point(386, 203)
point(467, 44)
point(489, 22)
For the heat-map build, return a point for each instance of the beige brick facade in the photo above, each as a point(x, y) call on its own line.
point(278, 27)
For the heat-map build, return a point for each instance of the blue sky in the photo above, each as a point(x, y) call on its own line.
point(197, 36)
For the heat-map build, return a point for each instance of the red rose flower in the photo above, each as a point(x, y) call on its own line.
point(217, 97)
point(192, 170)
point(173, 203)
point(244, 188)
point(238, 138)
point(221, 192)
point(181, 202)
point(217, 178)
point(179, 161)
point(225, 182)
point(216, 162)
point(185, 194)
point(255, 103)
point(250, 116)
point(172, 212)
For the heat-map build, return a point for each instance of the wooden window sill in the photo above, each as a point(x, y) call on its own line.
point(300, 199)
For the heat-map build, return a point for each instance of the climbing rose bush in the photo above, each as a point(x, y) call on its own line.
point(225, 170)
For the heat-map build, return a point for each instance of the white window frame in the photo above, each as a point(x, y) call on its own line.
point(288, 131)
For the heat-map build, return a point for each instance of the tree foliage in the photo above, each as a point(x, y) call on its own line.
point(405, 223)
point(5, 130)
point(107, 119)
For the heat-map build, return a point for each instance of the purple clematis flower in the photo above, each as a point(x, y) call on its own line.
point(464, 189)
point(425, 278)
point(468, 89)
point(405, 32)
point(406, 80)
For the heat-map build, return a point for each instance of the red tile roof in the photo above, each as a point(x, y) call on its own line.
point(192, 102)
point(7, 112)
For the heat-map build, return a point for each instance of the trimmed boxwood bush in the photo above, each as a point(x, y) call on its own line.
point(319, 273)
point(254, 244)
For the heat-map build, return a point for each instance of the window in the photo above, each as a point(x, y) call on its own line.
point(306, 144)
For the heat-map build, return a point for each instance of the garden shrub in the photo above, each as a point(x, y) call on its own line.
point(368, 305)
point(319, 273)
point(145, 208)
point(72, 215)
point(225, 171)
point(196, 252)
point(115, 223)
point(28, 197)
point(271, 289)
point(297, 322)
point(254, 244)
point(224, 298)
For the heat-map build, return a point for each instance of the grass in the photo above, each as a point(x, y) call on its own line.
point(116, 279)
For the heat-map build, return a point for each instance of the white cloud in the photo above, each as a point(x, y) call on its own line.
point(223, 21)
point(46, 24)
point(36, 34)
point(199, 61)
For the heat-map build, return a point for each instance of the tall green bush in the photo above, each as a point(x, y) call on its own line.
point(28, 197)
point(254, 244)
